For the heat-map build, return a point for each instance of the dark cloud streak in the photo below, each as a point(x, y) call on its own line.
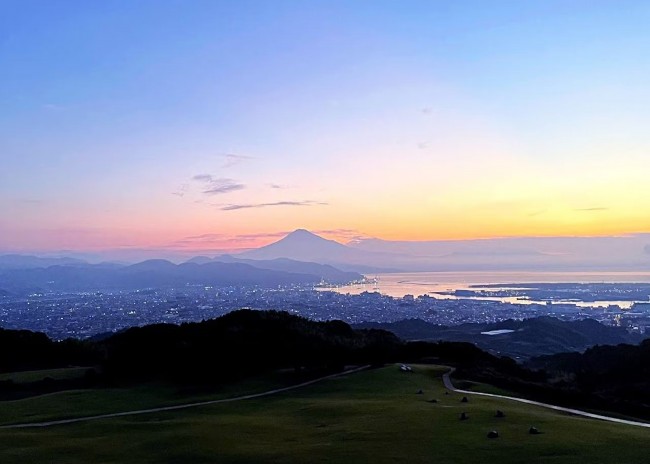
point(224, 188)
point(277, 203)
point(217, 186)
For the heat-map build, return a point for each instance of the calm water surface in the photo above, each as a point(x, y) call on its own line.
point(427, 283)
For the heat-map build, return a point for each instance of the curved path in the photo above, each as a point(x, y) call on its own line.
point(179, 406)
point(450, 386)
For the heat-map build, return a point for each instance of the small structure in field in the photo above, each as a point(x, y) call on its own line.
point(463, 416)
point(464, 400)
point(533, 431)
point(500, 414)
point(493, 434)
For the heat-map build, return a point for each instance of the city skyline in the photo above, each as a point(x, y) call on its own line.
point(222, 126)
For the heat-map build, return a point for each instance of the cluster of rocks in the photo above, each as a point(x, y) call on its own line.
point(499, 414)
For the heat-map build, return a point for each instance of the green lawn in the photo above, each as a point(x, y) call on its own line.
point(56, 374)
point(373, 416)
point(481, 387)
point(80, 403)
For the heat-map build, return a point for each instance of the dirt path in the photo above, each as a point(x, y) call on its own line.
point(450, 386)
point(179, 406)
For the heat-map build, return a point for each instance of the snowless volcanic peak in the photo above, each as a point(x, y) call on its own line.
point(299, 244)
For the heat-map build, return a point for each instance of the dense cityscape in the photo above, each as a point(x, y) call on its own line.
point(85, 314)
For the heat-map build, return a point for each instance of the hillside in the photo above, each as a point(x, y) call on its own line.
point(372, 416)
point(616, 374)
point(238, 344)
point(520, 339)
point(326, 272)
point(147, 274)
point(244, 344)
point(14, 261)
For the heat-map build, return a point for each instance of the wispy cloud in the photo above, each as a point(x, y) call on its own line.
point(182, 190)
point(258, 236)
point(203, 237)
point(225, 186)
point(276, 186)
point(346, 234)
point(277, 203)
point(596, 209)
point(225, 240)
point(233, 159)
point(217, 186)
point(536, 213)
point(203, 177)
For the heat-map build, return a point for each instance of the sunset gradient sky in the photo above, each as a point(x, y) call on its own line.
point(214, 125)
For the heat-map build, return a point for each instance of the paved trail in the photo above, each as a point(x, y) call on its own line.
point(450, 386)
point(445, 378)
point(179, 406)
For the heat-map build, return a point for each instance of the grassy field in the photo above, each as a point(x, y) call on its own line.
point(90, 402)
point(372, 416)
point(56, 374)
point(481, 387)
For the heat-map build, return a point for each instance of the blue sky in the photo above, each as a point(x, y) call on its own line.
point(404, 120)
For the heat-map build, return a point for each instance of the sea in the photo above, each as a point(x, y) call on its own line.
point(430, 283)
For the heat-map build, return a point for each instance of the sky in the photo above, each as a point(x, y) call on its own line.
point(220, 125)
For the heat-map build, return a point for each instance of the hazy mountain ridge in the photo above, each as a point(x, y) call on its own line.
point(16, 261)
point(302, 245)
point(324, 271)
point(372, 255)
point(153, 273)
point(529, 337)
point(628, 252)
point(514, 253)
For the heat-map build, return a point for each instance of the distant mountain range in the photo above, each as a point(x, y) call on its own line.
point(619, 253)
point(519, 339)
point(324, 271)
point(224, 271)
point(303, 245)
point(14, 261)
point(370, 256)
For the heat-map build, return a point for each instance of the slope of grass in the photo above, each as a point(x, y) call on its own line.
point(56, 374)
point(91, 402)
point(373, 416)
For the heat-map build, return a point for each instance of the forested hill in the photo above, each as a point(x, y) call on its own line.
point(251, 343)
point(516, 338)
point(237, 344)
point(617, 374)
point(240, 343)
